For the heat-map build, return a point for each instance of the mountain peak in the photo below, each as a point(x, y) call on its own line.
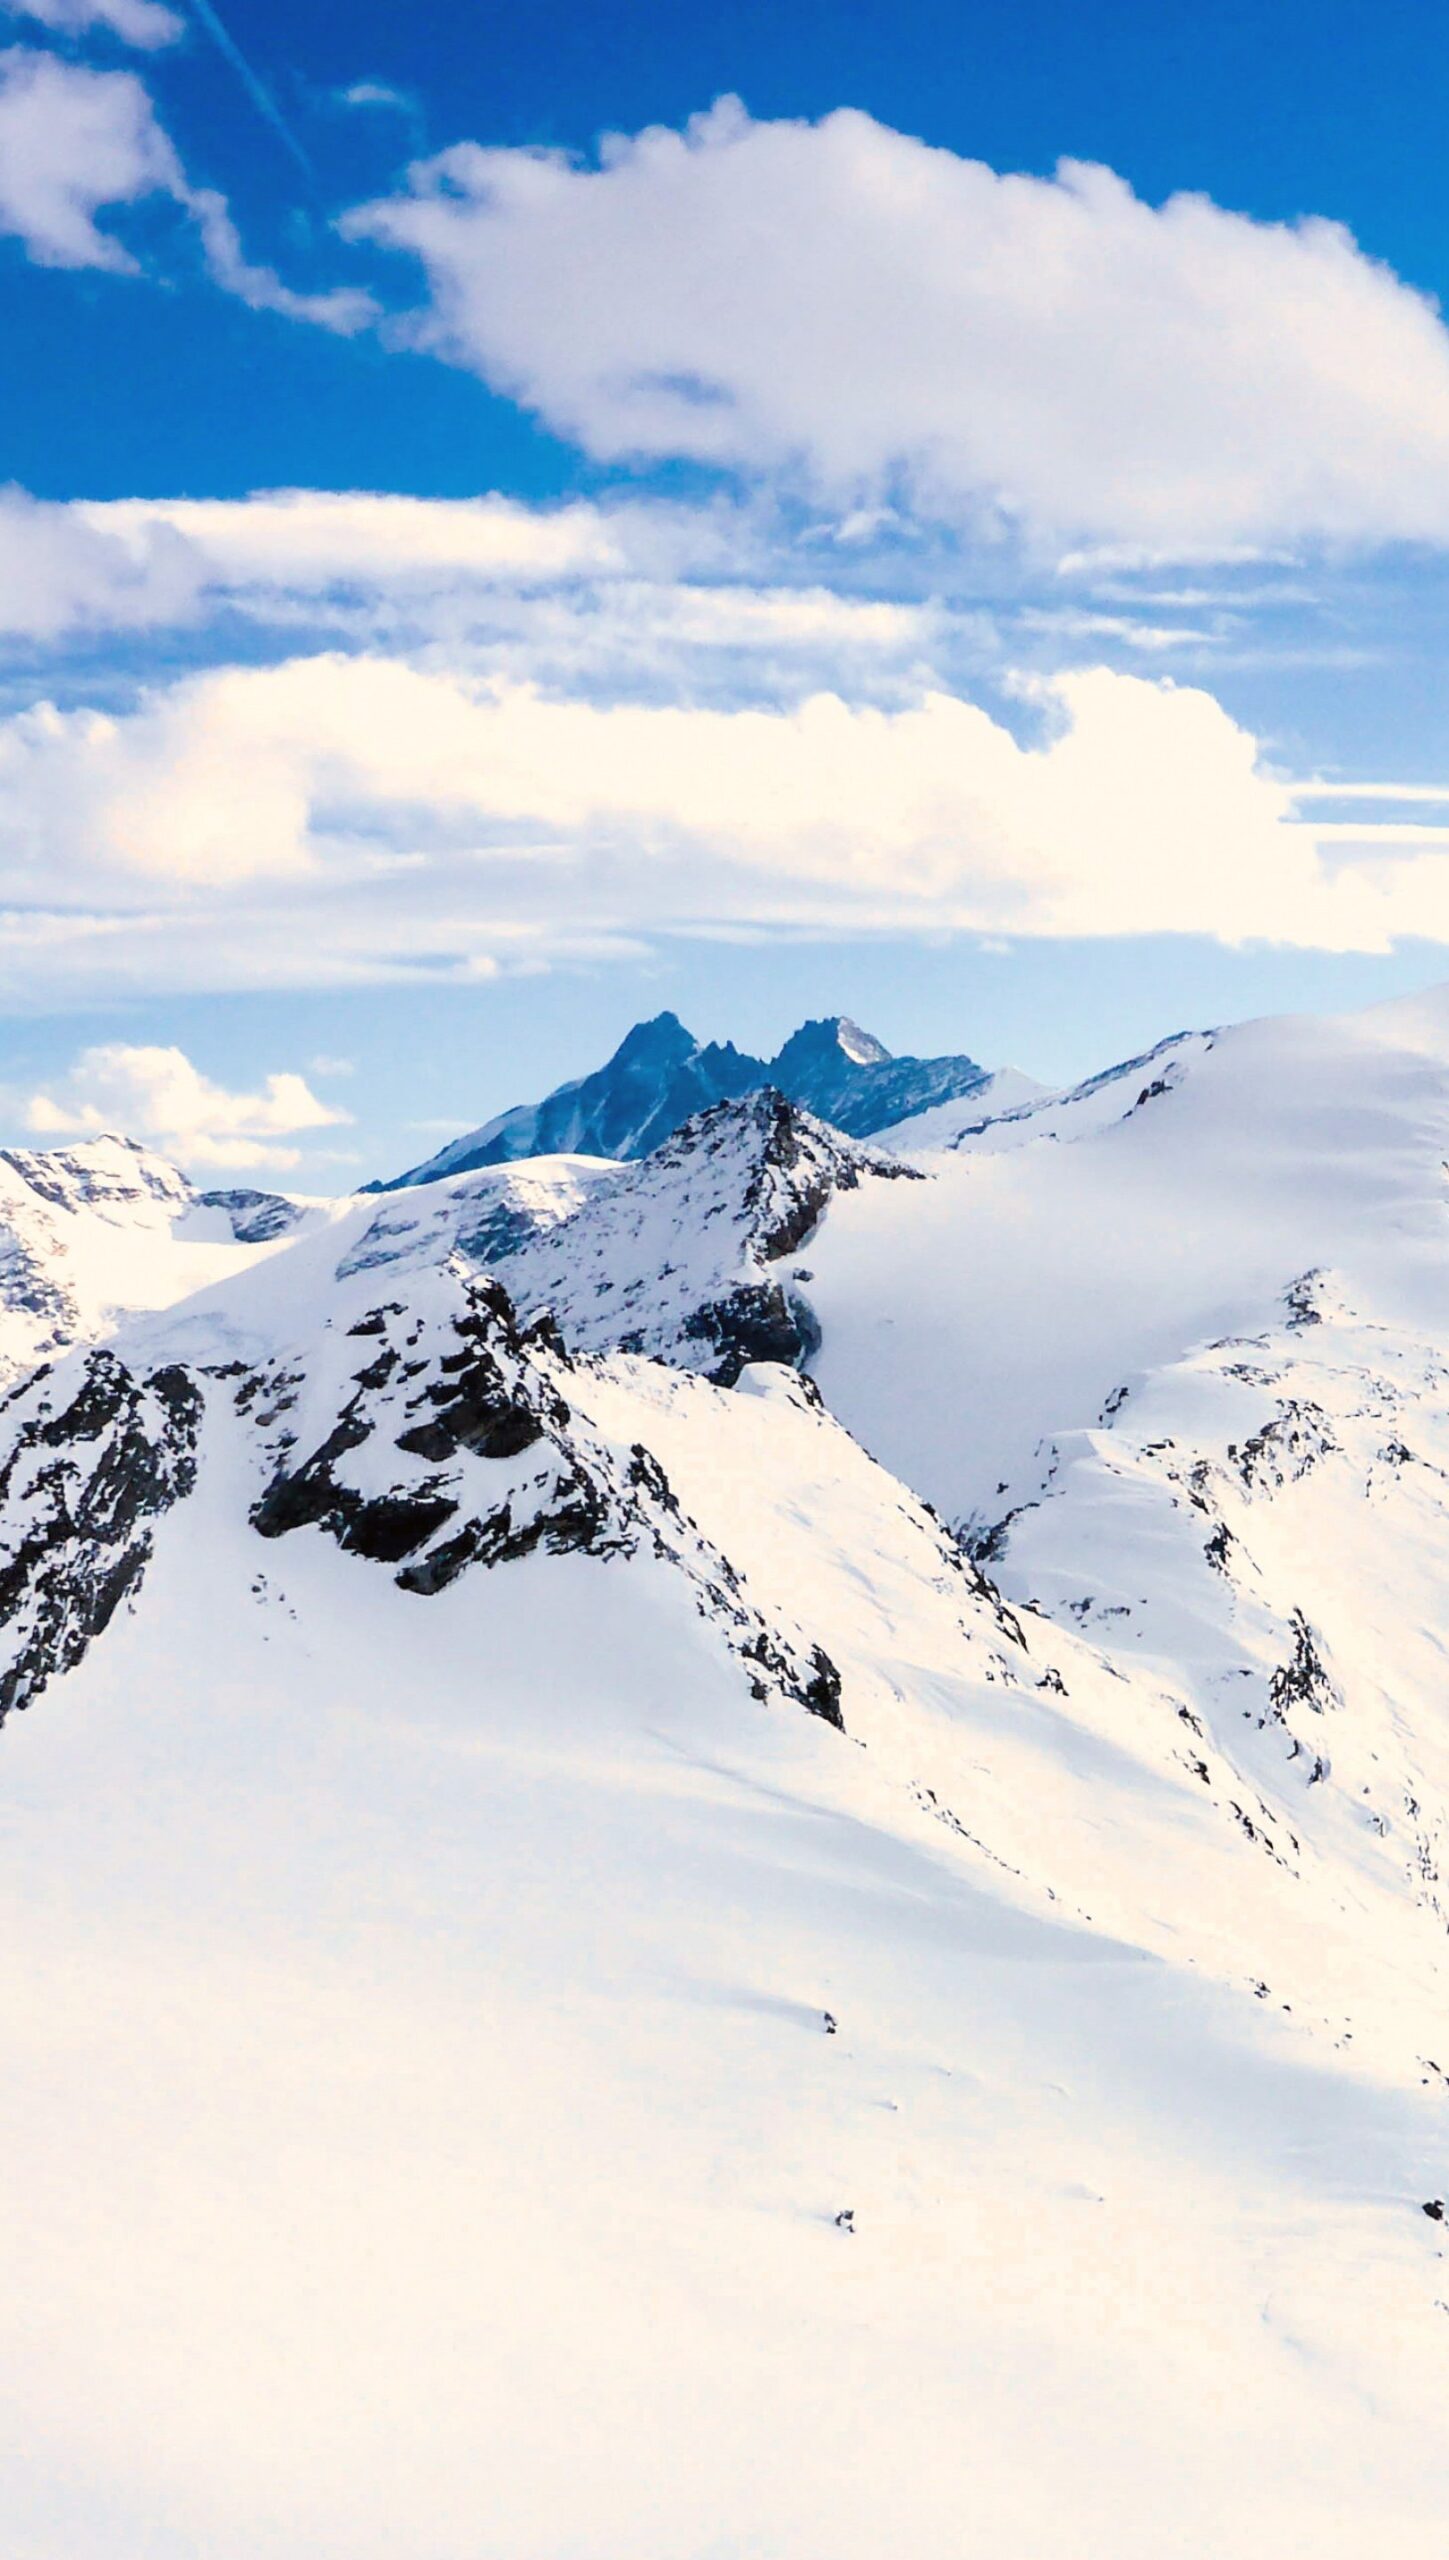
point(830, 1040)
point(660, 1076)
point(661, 1041)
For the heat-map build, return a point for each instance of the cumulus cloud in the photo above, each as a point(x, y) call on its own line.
point(335, 819)
point(143, 23)
point(76, 143)
point(841, 302)
point(157, 1094)
point(73, 143)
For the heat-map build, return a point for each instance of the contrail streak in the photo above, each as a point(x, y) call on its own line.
point(259, 94)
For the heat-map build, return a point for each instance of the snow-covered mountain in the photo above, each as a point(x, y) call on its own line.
point(91, 1233)
point(674, 1256)
point(863, 1949)
point(660, 1075)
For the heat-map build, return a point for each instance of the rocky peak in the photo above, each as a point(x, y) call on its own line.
point(827, 1043)
point(660, 1042)
point(673, 1255)
point(660, 1076)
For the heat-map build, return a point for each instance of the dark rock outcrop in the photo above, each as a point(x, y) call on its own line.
point(457, 1447)
point(96, 1452)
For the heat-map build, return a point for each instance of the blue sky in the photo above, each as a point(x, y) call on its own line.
point(770, 562)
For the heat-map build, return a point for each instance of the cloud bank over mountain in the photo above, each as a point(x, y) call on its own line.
point(396, 813)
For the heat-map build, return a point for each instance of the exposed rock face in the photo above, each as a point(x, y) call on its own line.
point(480, 1394)
point(94, 1453)
point(257, 1217)
point(660, 1076)
point(758, 1321)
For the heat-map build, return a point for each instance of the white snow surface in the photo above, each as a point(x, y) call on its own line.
point(442, 2031)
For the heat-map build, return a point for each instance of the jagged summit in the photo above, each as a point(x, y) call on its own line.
point(662, 1039)
point(826, 1042)
point(671, 1255)
point(660, 1074)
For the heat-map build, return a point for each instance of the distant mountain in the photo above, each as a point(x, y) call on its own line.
point(660, 1075)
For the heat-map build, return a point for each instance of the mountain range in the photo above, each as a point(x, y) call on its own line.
point(660, 1074)
point(774, 1810)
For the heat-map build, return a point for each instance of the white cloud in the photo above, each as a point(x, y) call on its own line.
point(73, 143)
point(76, 143)
point(304, 540)
point(62, 571)
point(336, 819)
point(345, 309)
point(157, 1094)
point(378, 93)
point(143, 23)
point(840, 301)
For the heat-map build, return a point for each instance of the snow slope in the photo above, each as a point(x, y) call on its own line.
point(583, 1979)
point(970, 1319)
point(1005, 1094)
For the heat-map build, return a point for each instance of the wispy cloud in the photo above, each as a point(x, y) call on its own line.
point(76, 144)
point(143, 23)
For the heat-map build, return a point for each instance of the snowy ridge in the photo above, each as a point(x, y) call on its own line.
point(456, 1447)
point(427, 1438)
point(674, 1256)
point(1006, 1094)
point(487, 1215)
point(1266, 1516)
point(1095, 1104)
